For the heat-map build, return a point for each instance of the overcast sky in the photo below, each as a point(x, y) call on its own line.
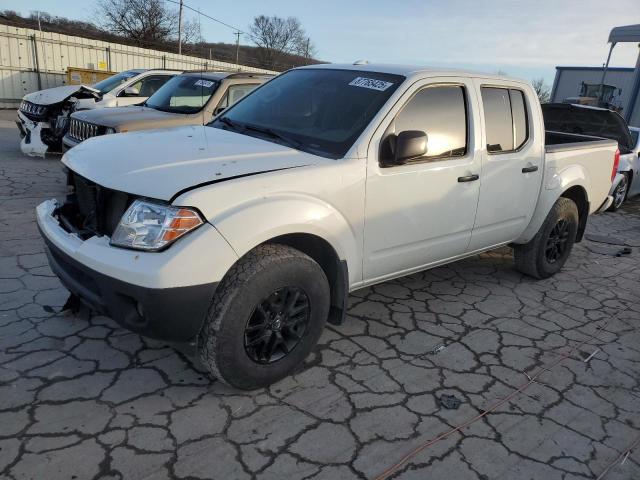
point(522, 38)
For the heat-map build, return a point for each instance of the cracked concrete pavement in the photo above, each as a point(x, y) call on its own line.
point(81, 398)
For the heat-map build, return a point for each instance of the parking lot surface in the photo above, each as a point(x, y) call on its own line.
point(469, 371)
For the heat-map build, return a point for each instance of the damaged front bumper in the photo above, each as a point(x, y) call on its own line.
point(31, 136)
point(163, 295)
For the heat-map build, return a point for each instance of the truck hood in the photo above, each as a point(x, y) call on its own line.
point(163, 163)
point(60, 94)
point(136, 117)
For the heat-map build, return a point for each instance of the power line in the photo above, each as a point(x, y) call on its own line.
point(207, 16)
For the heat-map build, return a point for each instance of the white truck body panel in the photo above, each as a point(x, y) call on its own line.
point(189, 155)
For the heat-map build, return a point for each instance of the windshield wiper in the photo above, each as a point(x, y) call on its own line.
point(273, 134)
point(231, 123)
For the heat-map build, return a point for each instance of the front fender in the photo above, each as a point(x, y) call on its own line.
point(556, 183)
point(250, 224)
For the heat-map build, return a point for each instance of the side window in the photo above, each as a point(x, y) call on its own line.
point(441, 113)
point(233, 94)
point(519, 112)
point(505, 118)
point(148, 85)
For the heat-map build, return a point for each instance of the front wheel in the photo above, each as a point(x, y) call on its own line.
point(620, 193)
point(265, 318)
point(548, 251)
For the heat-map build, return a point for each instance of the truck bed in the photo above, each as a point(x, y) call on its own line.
point(555, 141)
point(593, 155)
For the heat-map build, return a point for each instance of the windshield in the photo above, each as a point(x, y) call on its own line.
point(108, 84)
point(183, 94)
point(320, 111)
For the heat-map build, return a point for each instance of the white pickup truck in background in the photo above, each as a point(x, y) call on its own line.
point(245, 236)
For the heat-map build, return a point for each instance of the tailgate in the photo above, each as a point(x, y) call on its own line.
point(595, 158)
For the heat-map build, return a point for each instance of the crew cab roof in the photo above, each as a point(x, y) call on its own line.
point(409, 70)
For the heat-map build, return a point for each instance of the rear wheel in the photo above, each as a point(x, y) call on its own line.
point(548, 251)
point(265, 318)
point(620, 193)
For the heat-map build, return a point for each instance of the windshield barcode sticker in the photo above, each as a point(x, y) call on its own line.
point(371, 83)
point(203, 83)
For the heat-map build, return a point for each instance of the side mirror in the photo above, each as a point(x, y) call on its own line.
point(131, 92)
point(410, 144)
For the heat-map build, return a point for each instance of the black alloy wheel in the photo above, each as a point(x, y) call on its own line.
point(557, 241)
point(277, 325)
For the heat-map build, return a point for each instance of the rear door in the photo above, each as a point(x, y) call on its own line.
point(422, 212)
point(512, 156)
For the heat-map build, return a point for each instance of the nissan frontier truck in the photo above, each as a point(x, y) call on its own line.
point(244, 236)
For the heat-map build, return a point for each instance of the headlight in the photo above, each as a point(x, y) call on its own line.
point(109, 130)
point(152, 226)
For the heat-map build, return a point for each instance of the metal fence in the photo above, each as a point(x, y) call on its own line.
point(32, 60)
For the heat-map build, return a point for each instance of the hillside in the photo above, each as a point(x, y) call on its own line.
point(248, 55)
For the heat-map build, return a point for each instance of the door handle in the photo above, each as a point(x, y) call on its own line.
point(468, 178)
point(529, 169)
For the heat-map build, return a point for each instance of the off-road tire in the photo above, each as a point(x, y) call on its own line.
point(531, 258)
point(221, 342)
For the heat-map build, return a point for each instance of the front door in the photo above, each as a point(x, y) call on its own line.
point(422, 212)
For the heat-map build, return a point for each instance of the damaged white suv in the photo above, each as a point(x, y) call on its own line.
point(43, 116)
point(244, 236)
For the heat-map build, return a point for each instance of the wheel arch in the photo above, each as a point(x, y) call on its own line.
point(336, 270)
point(576, 190)
point(579, 196)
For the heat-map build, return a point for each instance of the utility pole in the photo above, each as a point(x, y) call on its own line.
point(180, 30)
point(237, 34)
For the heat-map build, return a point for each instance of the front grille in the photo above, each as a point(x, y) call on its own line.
point(91, 209)
point(32, 110)
point(80, 130)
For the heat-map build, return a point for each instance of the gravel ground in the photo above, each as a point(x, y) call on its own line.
point(546, 372)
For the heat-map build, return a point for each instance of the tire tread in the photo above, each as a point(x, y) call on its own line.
point(527, 256)
point(262, 257)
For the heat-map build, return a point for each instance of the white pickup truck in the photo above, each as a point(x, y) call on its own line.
point(243, 237)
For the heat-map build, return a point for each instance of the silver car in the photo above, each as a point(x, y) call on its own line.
point(629, 167)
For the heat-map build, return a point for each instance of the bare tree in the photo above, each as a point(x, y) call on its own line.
point(306, 48)
point(542, 89)
point(144, 20)
point(191, 31)
point(40, 15)
point(276, 36)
